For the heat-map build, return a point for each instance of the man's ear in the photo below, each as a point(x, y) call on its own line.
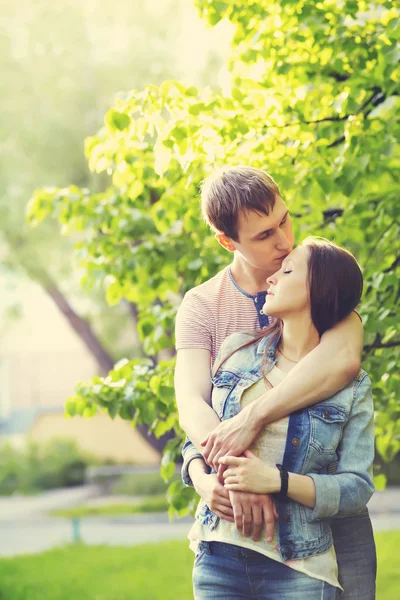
point(225, 242)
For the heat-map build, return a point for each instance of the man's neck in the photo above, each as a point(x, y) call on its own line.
point(250, 279)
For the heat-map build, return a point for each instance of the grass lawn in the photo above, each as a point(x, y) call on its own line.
point(148, 572)
point(145, 505)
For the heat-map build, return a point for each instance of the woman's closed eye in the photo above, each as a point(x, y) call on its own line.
point(286, 272)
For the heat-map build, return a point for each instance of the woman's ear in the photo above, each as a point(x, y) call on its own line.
point(225, 242)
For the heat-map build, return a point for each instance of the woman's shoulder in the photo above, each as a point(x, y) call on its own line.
point(235, 342)
point(358, 389)
point(361, 383)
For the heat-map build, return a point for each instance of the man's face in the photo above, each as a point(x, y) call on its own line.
point(264, 240)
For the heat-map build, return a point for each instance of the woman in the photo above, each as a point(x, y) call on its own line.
point(318, 461)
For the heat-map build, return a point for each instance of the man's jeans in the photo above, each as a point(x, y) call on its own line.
point(355, 550)
point(227, 572)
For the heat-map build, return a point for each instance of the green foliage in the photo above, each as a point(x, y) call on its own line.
point(141, 484)
point(161, 572)
point(313, 97)
point(58, 463)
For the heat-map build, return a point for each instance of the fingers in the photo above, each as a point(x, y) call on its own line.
point(237, 514)
point(242, 515)
point(225, 516)
point(224, 493)
point(220, 473)
point(215, 460)
point(233, 461)
point(231, 475)
point(224, 501)
point(212, 453)
point(275, 510)
point(230, 472)
point(269, 520)
point(207, 449)
point(257, 523)
point(227, 511)
point(234, 481)
point(249, 454)
point(247, 520)
point(236, 487)
point(231, 480)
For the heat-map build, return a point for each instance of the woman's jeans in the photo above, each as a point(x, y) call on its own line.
point(356, 556)
point(227, 572)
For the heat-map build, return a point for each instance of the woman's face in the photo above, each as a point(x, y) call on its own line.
point(288, 290)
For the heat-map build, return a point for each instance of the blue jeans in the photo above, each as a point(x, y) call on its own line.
point(353, 539)
point(227, 572)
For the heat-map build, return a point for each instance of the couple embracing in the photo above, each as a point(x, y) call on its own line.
point(278, 414)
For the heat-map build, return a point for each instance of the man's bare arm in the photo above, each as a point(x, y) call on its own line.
point(319, 375)
point(198, 419)
point(326, 370)
point(193, 394)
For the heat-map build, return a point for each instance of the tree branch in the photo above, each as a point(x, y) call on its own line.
point(378, 345)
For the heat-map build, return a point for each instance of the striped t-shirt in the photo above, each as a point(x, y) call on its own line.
point(215, 309)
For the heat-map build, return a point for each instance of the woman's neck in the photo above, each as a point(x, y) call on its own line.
point(299, 337)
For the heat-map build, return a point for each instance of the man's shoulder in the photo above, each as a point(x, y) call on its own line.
point(209, 290)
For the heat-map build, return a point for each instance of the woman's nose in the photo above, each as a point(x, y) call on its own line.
point(271, 280)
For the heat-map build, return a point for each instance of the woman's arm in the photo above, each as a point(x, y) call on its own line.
point(250, 474)
point(348, 490)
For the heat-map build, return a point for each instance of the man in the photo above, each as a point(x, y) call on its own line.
point(244, 207)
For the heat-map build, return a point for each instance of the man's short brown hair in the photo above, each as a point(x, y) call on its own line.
point(231, 190)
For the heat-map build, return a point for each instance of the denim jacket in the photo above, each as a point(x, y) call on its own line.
point(337, 431)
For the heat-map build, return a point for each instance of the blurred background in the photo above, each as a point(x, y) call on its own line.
point(62, 65)
point(76, 486)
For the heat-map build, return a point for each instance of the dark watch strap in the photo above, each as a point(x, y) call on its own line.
point(282, 495)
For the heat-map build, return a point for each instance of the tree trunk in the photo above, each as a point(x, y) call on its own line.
point(103, 358)
point(82, 328)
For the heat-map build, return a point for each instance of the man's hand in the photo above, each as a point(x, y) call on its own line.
point(250, 510)
point(214, 495)
point(231, 437)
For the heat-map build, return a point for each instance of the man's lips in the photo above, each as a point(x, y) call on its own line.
point(282, 257)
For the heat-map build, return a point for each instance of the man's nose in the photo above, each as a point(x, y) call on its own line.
point(283, 242)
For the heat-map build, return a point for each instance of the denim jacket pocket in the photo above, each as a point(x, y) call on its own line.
point(326, 427)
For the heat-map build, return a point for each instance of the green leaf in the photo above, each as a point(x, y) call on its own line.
point(380, 482)
point(117, 120)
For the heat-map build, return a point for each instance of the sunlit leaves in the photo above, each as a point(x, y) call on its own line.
point(312, 97)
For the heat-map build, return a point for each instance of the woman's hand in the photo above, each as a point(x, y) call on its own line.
point(250, 474)
point(214, 495)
